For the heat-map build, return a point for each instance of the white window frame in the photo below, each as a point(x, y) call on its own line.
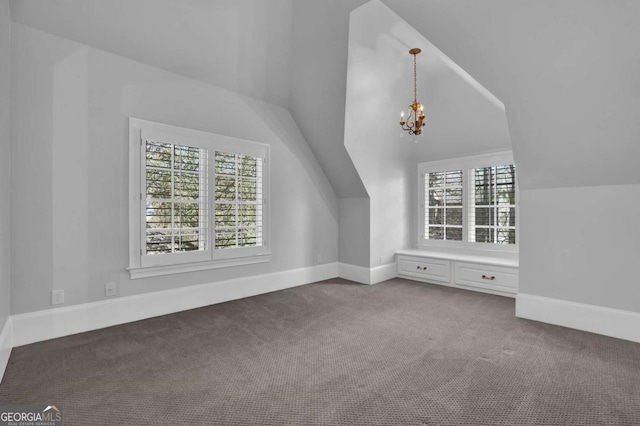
point(465, 164)
point(142, 265)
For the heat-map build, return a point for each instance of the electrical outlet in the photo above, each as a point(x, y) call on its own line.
point(110, 289)
point(381, 260)
point(318, 258)
point(57, 297)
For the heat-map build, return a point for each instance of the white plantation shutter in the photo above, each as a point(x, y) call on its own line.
point(443, 205)
point(467, 201)
point(238, 201)
point(492, 204)
point(202, 197)
point(175, 188)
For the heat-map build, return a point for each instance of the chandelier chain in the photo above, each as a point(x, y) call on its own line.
point(415, 85)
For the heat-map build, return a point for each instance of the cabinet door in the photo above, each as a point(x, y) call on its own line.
point(425, 268)
point(495, 278)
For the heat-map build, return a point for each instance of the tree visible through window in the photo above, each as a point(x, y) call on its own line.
point(444, 207)
point(177, 199)
point(197, 200)
point(238, 201)
point(176, 196)
point(492, 213)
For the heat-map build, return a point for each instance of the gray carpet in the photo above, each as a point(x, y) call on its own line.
point(335, 353)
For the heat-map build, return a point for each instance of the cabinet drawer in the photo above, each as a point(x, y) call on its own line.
point(425, 268)
point(496, 278)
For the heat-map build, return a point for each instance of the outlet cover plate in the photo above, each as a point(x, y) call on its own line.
point(110, 289)
point(57, 297)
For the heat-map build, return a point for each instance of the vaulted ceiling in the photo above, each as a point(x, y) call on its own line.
point(240, 45)
point(567, 71)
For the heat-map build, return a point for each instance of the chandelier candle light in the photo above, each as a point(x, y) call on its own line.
point(415, 120)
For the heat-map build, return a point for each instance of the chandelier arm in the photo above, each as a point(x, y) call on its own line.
point(407, 125)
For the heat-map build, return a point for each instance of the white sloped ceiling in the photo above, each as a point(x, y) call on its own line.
point(240, 45)
point(567, 71)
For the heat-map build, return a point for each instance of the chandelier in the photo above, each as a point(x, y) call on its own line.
point(415, 114)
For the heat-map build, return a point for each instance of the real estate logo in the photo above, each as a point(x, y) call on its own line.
point(30, 415)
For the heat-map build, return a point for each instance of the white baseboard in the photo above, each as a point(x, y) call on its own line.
point(6, 343)
point(49, 324)
point(595, 319)
point(383, 272)
point(355, 273)
point(364, 275)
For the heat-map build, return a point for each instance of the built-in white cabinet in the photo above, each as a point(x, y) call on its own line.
point(481, 273)
point(428, 269)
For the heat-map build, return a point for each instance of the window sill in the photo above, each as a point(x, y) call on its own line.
point(154, 271)
point(490, 249)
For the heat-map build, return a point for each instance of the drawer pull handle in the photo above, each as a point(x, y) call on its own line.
point(424, 268)
point(490, 278)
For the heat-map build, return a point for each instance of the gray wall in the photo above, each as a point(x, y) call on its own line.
point(354, 231)
point(371, 131)
point(582, 244)
point(317, 86)
point(5, 160)
point(70, 155)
